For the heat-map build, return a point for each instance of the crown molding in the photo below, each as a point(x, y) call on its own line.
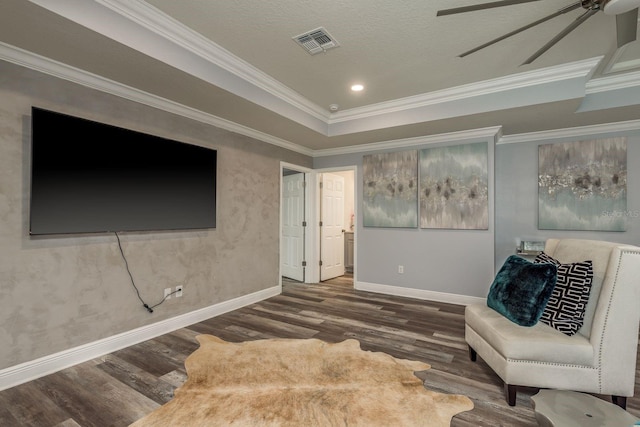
point(154, 20)
point(149, 17)
point(575, 70)
point(57, 69)
point(576, 132)
point(614, 82)
point(488, 133)
point(93, 81)
point(147, 29)
point(552, 84)
point(53, 68)
point(612, 91)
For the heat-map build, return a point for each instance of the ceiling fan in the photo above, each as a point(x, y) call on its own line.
point(625, 11)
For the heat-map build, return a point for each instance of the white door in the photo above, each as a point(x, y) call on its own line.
point(292, 247)
point(332, 229)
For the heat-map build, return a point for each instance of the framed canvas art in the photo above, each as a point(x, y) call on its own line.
point(454, 187)
point(583, 185)
point(390, 195)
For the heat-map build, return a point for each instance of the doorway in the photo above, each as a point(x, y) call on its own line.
point(301, 250)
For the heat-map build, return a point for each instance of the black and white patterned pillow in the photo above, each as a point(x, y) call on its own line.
point(568, 302)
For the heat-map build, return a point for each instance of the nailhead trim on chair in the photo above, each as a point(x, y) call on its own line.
point(606, 317)
point(606, 320)
point(536, 362)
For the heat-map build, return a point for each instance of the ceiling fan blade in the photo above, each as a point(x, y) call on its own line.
point(482, 6)
point(588, 14)
point(521, 29)
point(627, 27)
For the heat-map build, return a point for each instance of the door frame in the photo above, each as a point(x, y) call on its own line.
point(317, 213)
point(312, 215)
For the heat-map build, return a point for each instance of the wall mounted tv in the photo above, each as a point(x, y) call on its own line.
point(89, 177)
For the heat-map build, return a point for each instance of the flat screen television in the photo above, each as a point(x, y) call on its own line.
point(90, 177)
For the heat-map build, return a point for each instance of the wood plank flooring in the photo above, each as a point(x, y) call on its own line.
point(119, 388)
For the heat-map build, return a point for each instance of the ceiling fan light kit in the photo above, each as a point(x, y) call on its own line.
point(626, 12)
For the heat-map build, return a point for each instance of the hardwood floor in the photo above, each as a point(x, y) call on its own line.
point(119, 388)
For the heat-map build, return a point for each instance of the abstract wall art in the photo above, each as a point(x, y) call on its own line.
point(390, 195)
point(454, 187)
point(583, 185)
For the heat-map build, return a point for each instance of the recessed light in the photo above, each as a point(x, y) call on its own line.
point(357, 87)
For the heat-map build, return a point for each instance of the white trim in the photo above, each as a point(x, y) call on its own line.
point(165, 40)
point(315, 249)
point(421, 294)
point(560, 73)
point(547, 85)
point(491, 133)
point(53, 68)
point(147, 29)
point(295, 167)
point(60, 70)
point(616, 82)
point(168, 28)
point(312, 254)
point(28, 371)
point(627, 126)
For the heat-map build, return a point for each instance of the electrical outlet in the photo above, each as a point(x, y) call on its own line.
point(401, 269)
point(178, 291)
point(167, 293)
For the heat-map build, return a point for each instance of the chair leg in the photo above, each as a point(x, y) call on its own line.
point(621, 401)
point(510, 391)
point(472, 354)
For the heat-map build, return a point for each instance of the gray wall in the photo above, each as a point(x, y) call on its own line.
point(517, 196)
point(61, 292)
point(449, 261)
point(465, 262)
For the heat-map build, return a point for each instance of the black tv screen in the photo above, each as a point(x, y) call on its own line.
point(89, 177)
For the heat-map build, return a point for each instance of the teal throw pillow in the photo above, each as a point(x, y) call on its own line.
point(521, 290)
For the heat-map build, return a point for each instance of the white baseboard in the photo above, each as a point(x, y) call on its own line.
point(28, 371)
point(418, 293)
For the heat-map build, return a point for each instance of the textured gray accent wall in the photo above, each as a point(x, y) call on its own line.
point(517, 197)
point(57, 293)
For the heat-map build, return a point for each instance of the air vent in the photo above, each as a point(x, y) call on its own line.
point(316, 41)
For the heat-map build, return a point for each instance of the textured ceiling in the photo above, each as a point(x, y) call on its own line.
point(396, 48)
point(260, 79)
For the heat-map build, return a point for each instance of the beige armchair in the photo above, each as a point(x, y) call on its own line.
point(600, 358)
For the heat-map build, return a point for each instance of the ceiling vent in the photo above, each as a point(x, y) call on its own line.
point(316, 41)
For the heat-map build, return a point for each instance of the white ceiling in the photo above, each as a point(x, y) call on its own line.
point(234, 63)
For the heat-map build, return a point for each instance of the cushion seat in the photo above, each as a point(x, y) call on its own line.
point(540, 343)
point(599, 358)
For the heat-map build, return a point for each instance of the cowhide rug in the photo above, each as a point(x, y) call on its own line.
point(306, 382)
